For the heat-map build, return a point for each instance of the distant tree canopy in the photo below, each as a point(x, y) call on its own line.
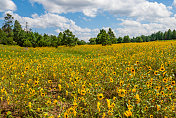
point(100, 39)
point(12, 33)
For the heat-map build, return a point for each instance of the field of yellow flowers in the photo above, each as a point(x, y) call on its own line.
point(121, 80)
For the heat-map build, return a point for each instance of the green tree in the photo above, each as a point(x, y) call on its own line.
point(143, 38)
point(27, 43)
point(60, 38)
point(112, 36)
point(174, 34)
point(69, 39)
point(3, 37)
point(126, 39)
point(139, 39)
point(169, 34)
point(82, 42)
point(165, 35)
point(16, 31)
point(119, 40)
point(7, 27)
point(92, 41)
point(103, 37)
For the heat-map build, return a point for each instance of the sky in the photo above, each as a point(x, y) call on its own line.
point(86, 17)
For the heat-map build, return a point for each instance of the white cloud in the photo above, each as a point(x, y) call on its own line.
point(132, 8)
point(55, 21)
point(174, 3)
point(136, 28)
point(150, 11)
point(90, 12)
point(7, 5)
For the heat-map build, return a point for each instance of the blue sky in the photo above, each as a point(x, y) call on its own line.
point(86, 17)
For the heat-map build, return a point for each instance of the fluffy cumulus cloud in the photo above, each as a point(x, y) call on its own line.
point(133, 8)
point(139, 16)
point(7, 5)
point(50, 20)
point(156, 14)
point(136, 28)
point(174, 3)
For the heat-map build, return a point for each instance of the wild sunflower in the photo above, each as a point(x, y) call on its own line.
point(104, 115)
point(130, 107)
point(165, 80)
point(169, 88)
point(156, 72)
point(110, 112)
point(49, 81)
point(128, 113)
point(133, 70)
point(149, 67)
point(98, 106)
point(146, 107)
point(137, 62)
point(173, 83)
point(122, 92)
point(83, 92)
point(151, 116)
point(36, 83)
point(42, 94)
point(100, 96)
point(71, 110)
point(162, 92)
point(162, 69)
point(158, 88)
point(121, 83)
point(65, 115)
point(59, 86)
point(111, 80)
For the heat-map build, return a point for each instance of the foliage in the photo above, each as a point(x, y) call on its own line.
point(69, 39)
point(126, 39)
point(14, 35)
point(139, 39)
point(103, 38)
point(7, 27)
point(92, 41)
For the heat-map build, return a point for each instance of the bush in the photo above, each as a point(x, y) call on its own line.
point(27, 43)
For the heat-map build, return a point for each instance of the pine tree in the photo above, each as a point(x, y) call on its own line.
point(69, 38)
point(126, 39)
point(112, 36)
point(169, 34)
point(174, 34)
point(103, 38)
point(16, 31)
point(8, 19)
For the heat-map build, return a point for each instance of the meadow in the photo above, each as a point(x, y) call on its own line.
point(121, 80)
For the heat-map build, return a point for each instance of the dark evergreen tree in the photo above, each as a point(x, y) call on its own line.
point(103, 38)
point(16, 31)
point(82, 42)
point(169, 34)
point(7, 27)
point(92, 41)
point(112, 36)
point(174, 34)
point(139, 39)
point(119, 40)
point(69, 38)
point(126, 39)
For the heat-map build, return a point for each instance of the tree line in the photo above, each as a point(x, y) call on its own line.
point(108, 38)
point(12, 33)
